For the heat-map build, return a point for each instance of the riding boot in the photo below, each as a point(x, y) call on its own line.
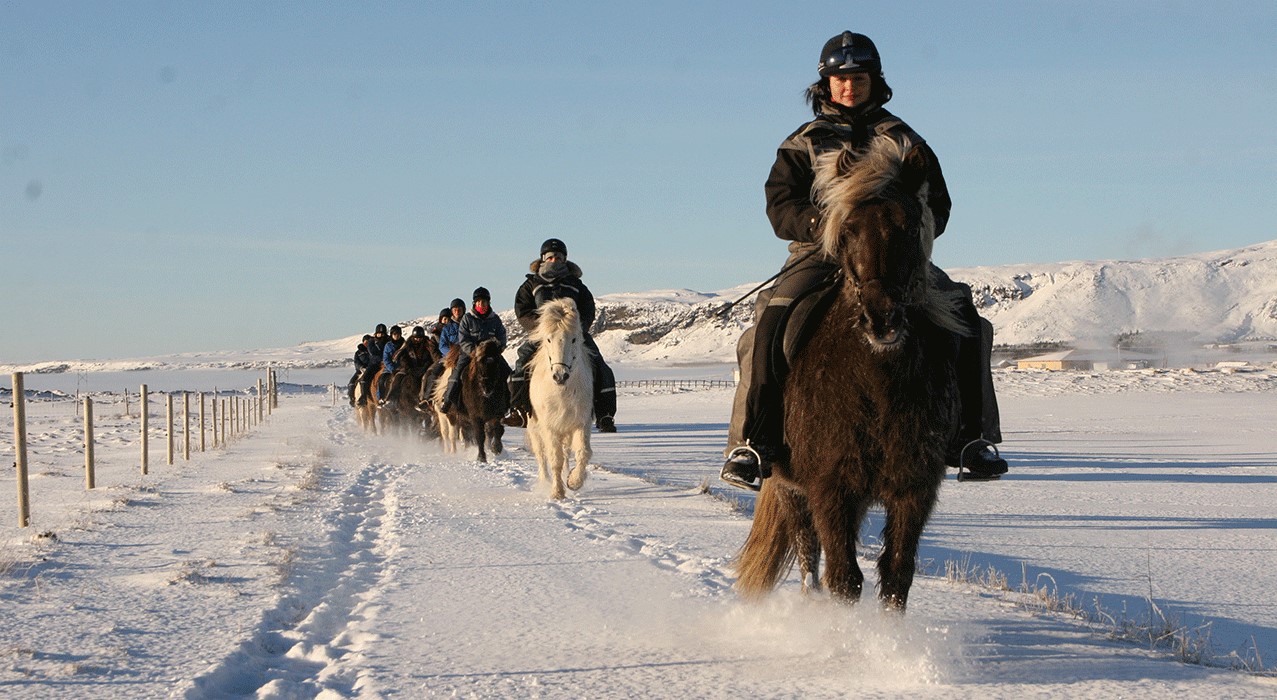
point(764, 425)
point(520, 399)
point(452, 394)
point(604, 396)
point(394, 383)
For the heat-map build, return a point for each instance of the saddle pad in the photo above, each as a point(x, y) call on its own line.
point(805, 314)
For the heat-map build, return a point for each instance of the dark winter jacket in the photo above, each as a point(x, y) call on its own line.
point(793, 215)
point(475, 329)
point(377, 348)
point(449, 334)
point(413, 357)
point(537, 290)
point(363, 358)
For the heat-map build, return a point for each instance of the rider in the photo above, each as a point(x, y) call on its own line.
point(553, 276)
point(363, 360)
point(448, 333)
point(478, 325)
point(449, 330)
point(847, 101)
point(375, 349)
point(388, 358)
point(411, 359)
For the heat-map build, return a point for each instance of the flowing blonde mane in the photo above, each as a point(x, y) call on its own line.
point(556, 317)
point(845, 178)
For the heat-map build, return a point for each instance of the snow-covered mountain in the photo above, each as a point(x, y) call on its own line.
point(1220, 297)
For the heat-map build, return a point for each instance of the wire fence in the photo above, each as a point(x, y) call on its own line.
point(676, 383)
point(232, 414)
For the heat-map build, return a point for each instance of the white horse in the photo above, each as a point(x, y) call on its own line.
point(562, 394)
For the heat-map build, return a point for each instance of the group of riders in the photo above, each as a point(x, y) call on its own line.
point(847, 101)
point(420, 358)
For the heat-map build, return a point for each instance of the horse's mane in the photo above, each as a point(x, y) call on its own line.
point(556, 317)
point(847, 178)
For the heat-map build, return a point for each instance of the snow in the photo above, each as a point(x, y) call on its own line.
point(307, 559)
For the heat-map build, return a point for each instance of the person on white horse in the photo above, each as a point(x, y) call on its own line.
point(847, 101)
point(553, 276)
point(478, 325)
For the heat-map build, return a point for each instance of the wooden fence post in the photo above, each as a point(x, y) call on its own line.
point(146, 410)
point(261, 402)
point(223, 433)
point(201, 421)
point(88, 444)
point(186, 425)
point(169, 433)
point(20, 449)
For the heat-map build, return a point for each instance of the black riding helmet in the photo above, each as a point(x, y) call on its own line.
point(418, 332)
point(456, 304)
point(554, 245)
point(396, 330)
point(482, 293)
point(381, 328)
point(849, 53)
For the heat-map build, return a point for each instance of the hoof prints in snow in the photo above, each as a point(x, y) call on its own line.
point(301, 644)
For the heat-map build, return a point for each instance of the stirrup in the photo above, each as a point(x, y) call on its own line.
point(742, 456)
point(966, 473)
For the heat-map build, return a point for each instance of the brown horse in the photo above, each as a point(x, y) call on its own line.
point(485, 398)
point(870, 401)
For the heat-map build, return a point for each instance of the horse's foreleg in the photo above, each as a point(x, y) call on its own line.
point(581, 446)
point(907, 515)
point(559, 459)
point(480, 439)
point(836, 516)
point(495, 431)
point(537, 440)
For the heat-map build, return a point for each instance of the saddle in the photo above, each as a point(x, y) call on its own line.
point(803, 317)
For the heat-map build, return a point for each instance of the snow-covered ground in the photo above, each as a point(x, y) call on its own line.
point(307, 559)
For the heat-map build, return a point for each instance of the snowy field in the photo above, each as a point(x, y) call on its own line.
point(307, 559)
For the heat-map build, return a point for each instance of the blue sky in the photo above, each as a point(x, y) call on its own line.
point(182, 176)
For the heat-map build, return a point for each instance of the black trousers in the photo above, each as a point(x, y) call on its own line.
point(758, 410)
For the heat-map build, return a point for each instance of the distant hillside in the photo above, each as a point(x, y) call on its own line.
point(1221, 297)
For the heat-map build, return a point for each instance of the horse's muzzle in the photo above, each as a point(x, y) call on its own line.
point(561, 378)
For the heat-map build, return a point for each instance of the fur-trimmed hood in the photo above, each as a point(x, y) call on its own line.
point(574, 270)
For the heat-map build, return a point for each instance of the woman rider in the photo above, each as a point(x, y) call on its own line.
point(847, 102)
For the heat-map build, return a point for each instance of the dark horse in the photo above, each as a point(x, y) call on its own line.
point(870, 401)
point(485, 398)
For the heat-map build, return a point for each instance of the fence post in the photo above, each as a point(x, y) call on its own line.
point(88, 444)
point(201, 421)
point(261, 402)
point(169, 432)
point(20, 449)
point(146, 410)
point(186, 425)
point(223, 419)
point(127, 414)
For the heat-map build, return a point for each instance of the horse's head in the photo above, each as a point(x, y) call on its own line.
point(878, 226)
point(562, 341)
point(488, 368)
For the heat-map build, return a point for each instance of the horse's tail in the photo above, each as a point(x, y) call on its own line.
point(769, 552)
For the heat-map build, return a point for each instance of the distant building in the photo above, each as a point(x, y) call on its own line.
point(1086, 360)
point(1064, 359)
